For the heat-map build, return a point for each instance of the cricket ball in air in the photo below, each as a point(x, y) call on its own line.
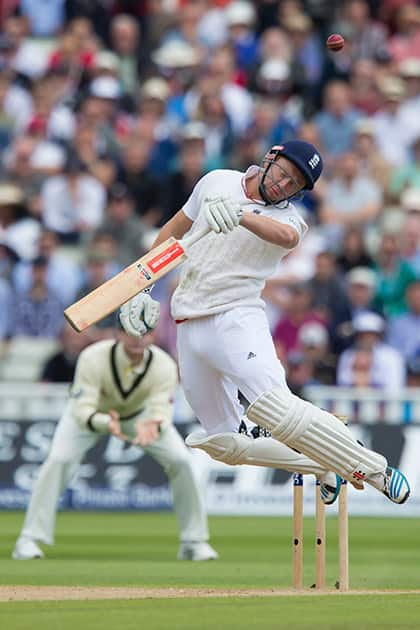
point(335, 42)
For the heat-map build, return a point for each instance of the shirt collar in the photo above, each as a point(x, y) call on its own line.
point(251, 171)
point(124, 362)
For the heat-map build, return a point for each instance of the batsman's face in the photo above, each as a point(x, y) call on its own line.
point(283, 180)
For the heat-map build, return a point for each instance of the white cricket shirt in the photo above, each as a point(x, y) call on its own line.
point(228, 270)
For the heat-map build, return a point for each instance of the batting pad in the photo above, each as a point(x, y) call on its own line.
point(316, 433)
point(237, 448)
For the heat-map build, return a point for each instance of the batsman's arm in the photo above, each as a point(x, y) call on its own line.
point(271, 231)
point(177, 227)
point(266, 228)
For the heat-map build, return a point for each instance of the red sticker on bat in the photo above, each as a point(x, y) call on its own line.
point(164, 258)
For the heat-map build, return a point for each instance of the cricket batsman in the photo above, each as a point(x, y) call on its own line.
point(224, 341)
point(125, 388)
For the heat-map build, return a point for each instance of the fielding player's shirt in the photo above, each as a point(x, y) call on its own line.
point(105, 379)
point(228, 270)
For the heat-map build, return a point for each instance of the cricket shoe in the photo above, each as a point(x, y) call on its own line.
point(396, 486)
point(27, 549)
point(196, 551)
point(329, 487)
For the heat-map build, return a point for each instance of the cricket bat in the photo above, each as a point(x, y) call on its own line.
point(124, 285)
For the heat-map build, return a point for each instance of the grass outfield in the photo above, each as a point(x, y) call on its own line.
point(139, 550)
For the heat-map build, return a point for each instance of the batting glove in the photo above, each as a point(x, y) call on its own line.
point(222, 214)
point(139, 315)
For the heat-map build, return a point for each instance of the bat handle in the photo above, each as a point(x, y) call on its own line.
point(198, 234)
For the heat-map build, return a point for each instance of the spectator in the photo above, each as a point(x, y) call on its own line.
point(155, 125)
point(76, 48)
point(7, 121)
point(105, 244)
point(73, 202)
point(353, 252)
point(16, 101)
point(61, 366)
point(236, 99)
point(8, 260)
point(297, 312)
point(44, 21)
point(393, 276)
point(38, 310)
point(404, 329)
point(96, 273)
point(408, 175)
point(93, 156)
point(100, 108)
point(361, 288)
point(391, 133)
point(299, 373)
point(409, 72)
point(337, 120)
point(191, 165)
point(142, 185)
point(178, 62)
point(413, 375)
point(368, 38)
point(17, 229)
point(351, 199)
point(19, 169)
point(329, 296)
point(371, 163)
point(370, 361)
point(405, 43)
point(308, 57)
point(314, 344)
point(360, 372)
point(410, 230)
point(126, 43)
point(363, 84)
point(268, 127)
point(127, 228)
point(219, 135)
point(63, 275)
point(240, 17)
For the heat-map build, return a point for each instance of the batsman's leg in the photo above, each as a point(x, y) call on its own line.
point(322, 437)
point(237, 448)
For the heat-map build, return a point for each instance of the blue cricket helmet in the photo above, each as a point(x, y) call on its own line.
point(303, 155)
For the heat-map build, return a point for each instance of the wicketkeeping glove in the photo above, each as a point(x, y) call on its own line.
point(139, 315)
point(222, 214)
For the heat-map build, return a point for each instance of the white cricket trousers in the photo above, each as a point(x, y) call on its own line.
point(221, 354)
point(69, 445)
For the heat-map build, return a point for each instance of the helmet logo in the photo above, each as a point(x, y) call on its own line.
point(314, 161)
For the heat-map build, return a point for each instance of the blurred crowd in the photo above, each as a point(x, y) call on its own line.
point(110, 112)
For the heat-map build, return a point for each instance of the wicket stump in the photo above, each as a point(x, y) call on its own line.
point(320, 537)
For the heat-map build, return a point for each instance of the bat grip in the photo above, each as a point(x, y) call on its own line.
point(198, 234)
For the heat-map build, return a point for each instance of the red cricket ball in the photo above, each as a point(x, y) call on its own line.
point(335, 42)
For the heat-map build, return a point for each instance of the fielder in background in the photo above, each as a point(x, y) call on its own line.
point(124, 388)
point(224, 341)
